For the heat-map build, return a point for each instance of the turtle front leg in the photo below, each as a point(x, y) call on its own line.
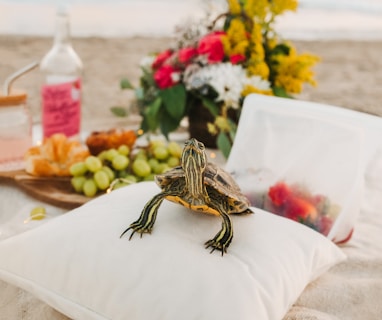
point(146, 220)
point(223, 238)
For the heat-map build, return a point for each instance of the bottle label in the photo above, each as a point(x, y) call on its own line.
point(61, 108)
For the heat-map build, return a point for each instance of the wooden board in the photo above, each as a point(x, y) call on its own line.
point(53, 190)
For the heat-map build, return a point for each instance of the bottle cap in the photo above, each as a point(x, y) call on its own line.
point(62, 9)
point(13, 99)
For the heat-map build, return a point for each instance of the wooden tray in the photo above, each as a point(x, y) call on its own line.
point(53, 190)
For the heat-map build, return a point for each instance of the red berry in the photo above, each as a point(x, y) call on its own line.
point(279, 193)
point(324, 225)
point(300, 209)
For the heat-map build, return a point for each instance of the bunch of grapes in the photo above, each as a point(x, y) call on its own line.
point(122, 166)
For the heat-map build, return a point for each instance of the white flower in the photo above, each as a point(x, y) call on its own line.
point(225, 78)
point(258, 82)
point(228, 81)
point(146, 62)
point(175, 76)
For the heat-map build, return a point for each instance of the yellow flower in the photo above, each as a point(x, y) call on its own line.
point(234, 7)
point(251, 89)
point(257, 50)
point(237, 38)
point(256, 63)
point(259, 68)
point(222, 124)
point(293, 70)
point(278, 7)
point(212, 128)
point(256, 8)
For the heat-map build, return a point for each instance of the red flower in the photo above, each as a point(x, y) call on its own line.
point(161, 58)
point(279, 193)
point(237, 58)
point(299, 208)
point(164, 76)
point(186, 54)
point(211, 45)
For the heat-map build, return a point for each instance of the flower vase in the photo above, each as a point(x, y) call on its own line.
point(198, 119)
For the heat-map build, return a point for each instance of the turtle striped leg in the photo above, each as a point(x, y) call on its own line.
point(146, 220)
point(223, 238)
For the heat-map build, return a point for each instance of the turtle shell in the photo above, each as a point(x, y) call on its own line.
point(214, 177)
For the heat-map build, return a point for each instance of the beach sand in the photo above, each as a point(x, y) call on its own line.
point(349, 74)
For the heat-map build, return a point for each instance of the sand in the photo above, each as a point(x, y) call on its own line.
point(349, 74)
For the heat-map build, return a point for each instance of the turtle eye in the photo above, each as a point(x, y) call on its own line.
point(201, 146)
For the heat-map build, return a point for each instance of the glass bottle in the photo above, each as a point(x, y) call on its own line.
point(61, 91)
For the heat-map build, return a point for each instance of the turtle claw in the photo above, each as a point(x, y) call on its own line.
point(136, 227)
point(217, 245)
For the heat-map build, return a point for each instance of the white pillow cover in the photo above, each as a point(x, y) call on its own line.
point(78, 264)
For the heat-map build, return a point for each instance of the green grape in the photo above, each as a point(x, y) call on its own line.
point(153, 163)
point(131, 179)
point(141, 168)
point(120, 162)
point(38, 213)
point(162, 167)
point(160, 153)
point(141, 154)
point(174, 149)
point(173, 161)
point(78, 183)
point(78, 169)
point(111, 153)
point(149, 177)
point(101, 179)
point(121, 173)
point(93, 163)
point(120, 184)
point(90, 188)
point(124, 150)
point(102, 155)
point(111, 174)
point(157, 143)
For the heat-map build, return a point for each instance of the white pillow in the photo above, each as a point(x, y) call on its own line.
point(78, 264)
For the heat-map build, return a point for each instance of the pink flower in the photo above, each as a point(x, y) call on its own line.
point(211, 45)
point(161, 58)
point(164, 76)
point(186, 54)
point(237, 58)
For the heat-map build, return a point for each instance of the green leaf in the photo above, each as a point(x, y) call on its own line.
point(280, 92)
point(174, 100)
point(224, 144)
point(281, 48)
point(211, 106)
point(139, 93)
point(119, 111)
point(151, 114)
point(126, 84)
point(168, 123)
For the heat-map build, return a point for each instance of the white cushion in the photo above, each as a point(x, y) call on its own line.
point(78, 264)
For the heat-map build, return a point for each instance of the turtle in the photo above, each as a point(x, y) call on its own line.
point(198, 185)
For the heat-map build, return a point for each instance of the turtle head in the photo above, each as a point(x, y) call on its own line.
point(194, 159)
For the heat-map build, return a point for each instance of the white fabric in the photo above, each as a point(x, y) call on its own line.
point(78, 264)
point(287, 140)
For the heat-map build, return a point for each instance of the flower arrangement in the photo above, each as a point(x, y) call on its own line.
point(296, 203)
point(215, 65)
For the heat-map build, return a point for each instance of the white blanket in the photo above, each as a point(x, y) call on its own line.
point(350, 290)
